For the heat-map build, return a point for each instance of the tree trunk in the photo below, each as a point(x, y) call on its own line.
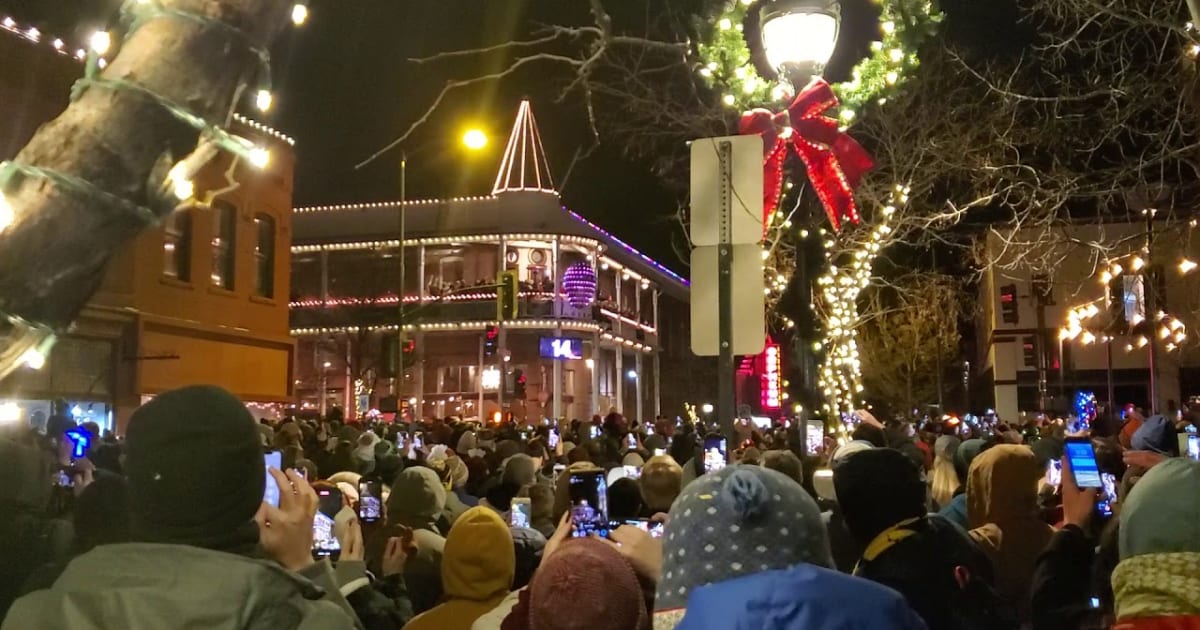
point(53, 255)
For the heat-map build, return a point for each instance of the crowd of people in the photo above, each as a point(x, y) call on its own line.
point(199, 516)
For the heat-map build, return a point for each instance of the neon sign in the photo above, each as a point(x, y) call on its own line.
point(772, 366)
point(560, 348)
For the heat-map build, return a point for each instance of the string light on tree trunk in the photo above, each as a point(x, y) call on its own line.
point(100, 42)
point(299, 14)
point(6, 212)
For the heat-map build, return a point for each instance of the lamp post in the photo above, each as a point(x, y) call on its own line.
point(475, 140)
point(791, 39)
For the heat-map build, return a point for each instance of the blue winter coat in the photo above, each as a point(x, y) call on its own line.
point(804, 597)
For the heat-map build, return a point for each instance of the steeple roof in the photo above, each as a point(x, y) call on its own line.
point(524, 166)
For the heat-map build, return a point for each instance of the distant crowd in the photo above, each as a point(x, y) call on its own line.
point(200, 516)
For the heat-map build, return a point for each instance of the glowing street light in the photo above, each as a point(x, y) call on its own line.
point(798, 37)
point(474, 139)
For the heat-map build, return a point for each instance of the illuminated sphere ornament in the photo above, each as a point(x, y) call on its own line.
point(579, 281)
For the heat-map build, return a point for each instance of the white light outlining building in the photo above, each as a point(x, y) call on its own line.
point(577, 283)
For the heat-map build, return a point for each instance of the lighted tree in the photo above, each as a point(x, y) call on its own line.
point(114, 162)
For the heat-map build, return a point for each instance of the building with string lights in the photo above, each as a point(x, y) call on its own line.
point(1088, 308)
point(201, 298)
point(588, 333)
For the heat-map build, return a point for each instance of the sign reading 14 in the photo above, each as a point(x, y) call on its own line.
point(564, 349)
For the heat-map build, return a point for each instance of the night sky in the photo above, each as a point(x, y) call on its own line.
point(344, 88)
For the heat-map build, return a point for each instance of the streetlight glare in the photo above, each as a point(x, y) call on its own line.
point(475, 139)
point(799, 38)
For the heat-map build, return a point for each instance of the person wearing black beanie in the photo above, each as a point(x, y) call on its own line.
point(939, 570)
point(195, 474)
point(211, 501)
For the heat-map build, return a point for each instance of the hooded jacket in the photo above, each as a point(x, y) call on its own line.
point(1157, 583)
point(417, 500)
point(147, 585)
point(477, 570)
point(1002, 512)
point(799, 598)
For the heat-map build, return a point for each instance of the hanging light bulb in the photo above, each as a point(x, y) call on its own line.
point(1142, 341)
point(1186, 265)
point(1137, 263)
point(1088, 338)
point(299, 14)
point(262, 100)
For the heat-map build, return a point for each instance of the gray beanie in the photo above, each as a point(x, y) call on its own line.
point(736, 521)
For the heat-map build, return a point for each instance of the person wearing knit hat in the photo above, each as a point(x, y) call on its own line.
point(746, 548)
point(926, 559)
point(586, 584)
point(1155, 584)
point(661, 481)
point(956, 510)
point(1156, 434)
point(416, 502)
point(735, 521)
point(195, 489)
point(477, 570)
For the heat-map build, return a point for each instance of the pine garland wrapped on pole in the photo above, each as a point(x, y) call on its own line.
point(92, 179)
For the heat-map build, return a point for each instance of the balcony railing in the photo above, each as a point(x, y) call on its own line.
point(465, 306)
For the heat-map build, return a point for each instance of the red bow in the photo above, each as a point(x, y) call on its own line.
point(835, 161)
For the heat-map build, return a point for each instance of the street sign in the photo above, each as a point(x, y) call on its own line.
point(745, 181)
point(748, 306)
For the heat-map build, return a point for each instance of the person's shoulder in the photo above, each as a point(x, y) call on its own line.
point(810, 593)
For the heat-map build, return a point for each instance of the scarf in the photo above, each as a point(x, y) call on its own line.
point(1157, 585)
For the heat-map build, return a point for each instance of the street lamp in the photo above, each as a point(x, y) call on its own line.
point(792, 39)
point(474, 139)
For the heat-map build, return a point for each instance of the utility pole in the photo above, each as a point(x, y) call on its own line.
point(1150, 290)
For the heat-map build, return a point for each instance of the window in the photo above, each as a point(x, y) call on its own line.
point(177, 246)
point(457, 379)
point(223, 242)
point(264, 256)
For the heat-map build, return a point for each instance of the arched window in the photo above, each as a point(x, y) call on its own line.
point(264, 256)
point(177, 246)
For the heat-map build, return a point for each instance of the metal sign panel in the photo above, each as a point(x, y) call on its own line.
point(745, 190)
point(749, 305)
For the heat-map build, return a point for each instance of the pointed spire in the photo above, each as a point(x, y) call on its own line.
point(524, 166)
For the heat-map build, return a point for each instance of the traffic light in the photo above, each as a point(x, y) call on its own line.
point(491, 341)
point(408, 352)
point(519, 382)
point(399, 353)
point(506, 296)
point(1009, 311)
point(1029, 349)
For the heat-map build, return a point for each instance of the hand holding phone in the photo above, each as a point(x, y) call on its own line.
point(1082, 459)
point(272, 459)
point(370, 501)
point(715, 453)
point(588, 494)
point(286, 532)
point(1078, 504)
